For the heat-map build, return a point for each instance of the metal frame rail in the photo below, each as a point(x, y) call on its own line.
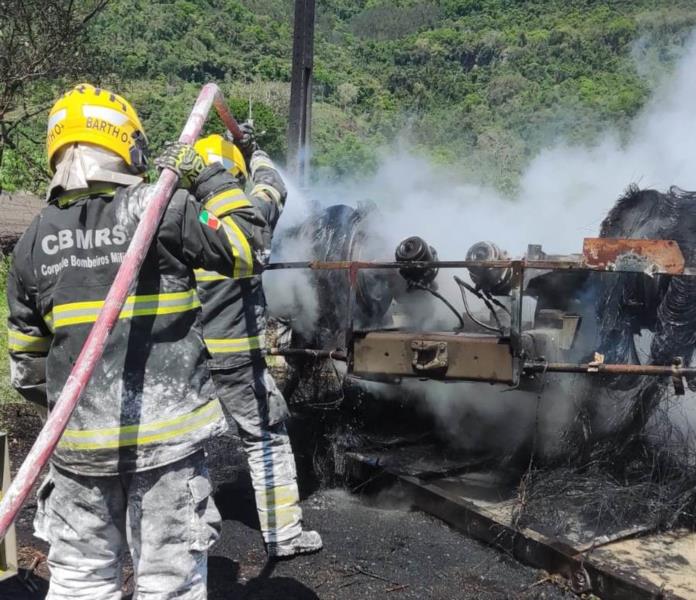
point(651, 257)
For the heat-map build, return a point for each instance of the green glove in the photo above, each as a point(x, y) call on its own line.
point(183, 160)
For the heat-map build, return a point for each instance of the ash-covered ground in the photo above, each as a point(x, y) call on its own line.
point(370, 551)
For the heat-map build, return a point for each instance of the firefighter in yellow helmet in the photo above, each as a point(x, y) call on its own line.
point(216, 149)
point(94, 137)
point(234, 324)
point(129, 472)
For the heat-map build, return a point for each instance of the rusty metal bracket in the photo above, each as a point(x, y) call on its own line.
point(580, 581)
point(678, 376)
point(429, 355)
point(634, 256)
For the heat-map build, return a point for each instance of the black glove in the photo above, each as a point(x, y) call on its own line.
point(247, 144)
point(183, 160)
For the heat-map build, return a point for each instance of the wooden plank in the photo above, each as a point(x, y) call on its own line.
point(8, 546)
point(665, 559)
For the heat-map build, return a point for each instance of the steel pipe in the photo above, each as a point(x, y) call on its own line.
point(609, 369)
point(545, 265)
point(333, 354)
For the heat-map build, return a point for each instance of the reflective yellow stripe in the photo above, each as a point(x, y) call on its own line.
point(105, 189)
point(279, 496)
point(269, 191)
point(260, 162)
point(225, 202)
point(241, 250)
point(139, 435)
point(203, 275)
point(21, 342)
point(221, 346)
point(277, 518)
point(76, 313)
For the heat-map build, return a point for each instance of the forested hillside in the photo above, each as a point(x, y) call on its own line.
point(479, 84)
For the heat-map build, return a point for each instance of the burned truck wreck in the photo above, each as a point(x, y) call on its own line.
point(532, 401)
point(621, 313)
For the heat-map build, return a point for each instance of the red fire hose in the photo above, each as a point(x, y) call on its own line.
point(93, 349)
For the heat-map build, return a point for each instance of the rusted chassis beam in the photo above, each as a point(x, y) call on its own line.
point(527, 546)
point(550, 265)
point(609, 369)
point(599, 254)
point(589, 368)
point(356, 265)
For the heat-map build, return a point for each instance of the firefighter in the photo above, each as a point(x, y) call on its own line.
point(234, 323)
point(129, 472)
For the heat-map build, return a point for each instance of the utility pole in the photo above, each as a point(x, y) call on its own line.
point(299, 128)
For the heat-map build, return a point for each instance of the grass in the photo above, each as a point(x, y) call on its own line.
point(7, 392)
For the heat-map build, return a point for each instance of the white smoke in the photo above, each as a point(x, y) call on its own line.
point(298, 206)
point(291, 293)
point(481, 417)
point(563, 197)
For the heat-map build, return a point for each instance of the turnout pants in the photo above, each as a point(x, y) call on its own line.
point(273, 475)
point(166, 517)
point(250, 397)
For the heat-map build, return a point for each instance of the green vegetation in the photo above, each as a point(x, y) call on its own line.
point(7, 392)
point(479, 84)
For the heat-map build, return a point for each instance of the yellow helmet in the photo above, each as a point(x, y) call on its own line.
point(215, 148)
point(91, 115)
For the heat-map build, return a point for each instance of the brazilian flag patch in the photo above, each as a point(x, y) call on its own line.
point(210, 220)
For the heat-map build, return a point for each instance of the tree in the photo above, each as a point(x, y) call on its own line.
point(40, 41)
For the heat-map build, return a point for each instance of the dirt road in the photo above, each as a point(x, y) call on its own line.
point(16, 212)
point(371, 551)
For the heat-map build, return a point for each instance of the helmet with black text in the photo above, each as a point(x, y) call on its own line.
point(91, 115)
